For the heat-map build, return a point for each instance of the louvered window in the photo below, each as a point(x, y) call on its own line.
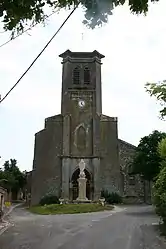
point(76, 75)
point(86, 75)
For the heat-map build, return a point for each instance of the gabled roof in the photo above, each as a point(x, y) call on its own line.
point(124, 142)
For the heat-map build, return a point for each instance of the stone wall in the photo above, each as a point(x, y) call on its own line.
point(3, 197)
point(133, 185)
point(28, 182)
point(46, 175)
point(109, 167)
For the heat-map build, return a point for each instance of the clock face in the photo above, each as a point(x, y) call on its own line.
point(81, 103)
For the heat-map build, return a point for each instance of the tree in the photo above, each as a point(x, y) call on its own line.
point(17, 14)
point(162, 150)
point(147, 159)
point(159, 194)
point(159, 190)
point(158, 90)
point(11, 177)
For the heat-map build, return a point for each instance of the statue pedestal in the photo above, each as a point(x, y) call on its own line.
point(82, 190)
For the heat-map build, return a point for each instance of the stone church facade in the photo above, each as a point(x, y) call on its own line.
point(81, 131)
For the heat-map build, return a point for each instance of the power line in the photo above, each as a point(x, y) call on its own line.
point(1, 100)
point(5, 43)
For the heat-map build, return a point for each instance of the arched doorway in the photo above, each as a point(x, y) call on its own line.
point(89, 186)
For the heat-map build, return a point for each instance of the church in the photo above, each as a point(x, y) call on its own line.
point(81, 131)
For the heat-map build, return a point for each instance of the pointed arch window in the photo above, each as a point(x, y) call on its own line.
point(76, 76)
point(81, 138)
point(86, 75)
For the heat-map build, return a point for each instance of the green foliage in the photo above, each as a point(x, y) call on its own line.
point(11, 177)
point(159, 194)
point(111, 198)
point(162, 149)
point(68, 208)
point(147, 160)
point(17, 14)
point(158, 90)
point(159, 190)
point(49, 199)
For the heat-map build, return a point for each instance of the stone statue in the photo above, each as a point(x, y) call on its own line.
point(82, 168)
point(82, 183)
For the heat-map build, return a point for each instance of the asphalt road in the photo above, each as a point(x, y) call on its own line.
point(130, 228)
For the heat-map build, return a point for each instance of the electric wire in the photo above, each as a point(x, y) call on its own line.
point(6, 95)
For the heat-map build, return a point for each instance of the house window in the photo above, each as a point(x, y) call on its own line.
point(86, 75)
point(131, 180)
point(76, 75)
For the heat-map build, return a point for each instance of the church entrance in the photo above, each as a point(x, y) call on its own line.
point(89, 185)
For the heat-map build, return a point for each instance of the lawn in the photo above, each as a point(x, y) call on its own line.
point(68, 208)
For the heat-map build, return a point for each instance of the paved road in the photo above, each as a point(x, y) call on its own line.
point(128, 229)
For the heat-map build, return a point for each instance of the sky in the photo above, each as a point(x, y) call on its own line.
point(135, 53)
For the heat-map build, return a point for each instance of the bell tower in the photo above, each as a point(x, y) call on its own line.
point(81, 108)
point(81, 101)
point(81, 81)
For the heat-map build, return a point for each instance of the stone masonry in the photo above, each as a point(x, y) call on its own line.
point(81, 131)
point(133, 185)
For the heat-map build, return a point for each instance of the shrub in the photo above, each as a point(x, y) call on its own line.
point(105, 193)
point(111, 198)
point(159, 194)
point(49, 199)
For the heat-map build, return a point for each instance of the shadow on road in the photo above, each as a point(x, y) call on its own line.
point(147, 211)
point(141, 214)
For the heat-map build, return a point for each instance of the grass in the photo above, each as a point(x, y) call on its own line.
point(68, 208)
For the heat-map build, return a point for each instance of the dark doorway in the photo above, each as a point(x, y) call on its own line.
point(89, 187)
